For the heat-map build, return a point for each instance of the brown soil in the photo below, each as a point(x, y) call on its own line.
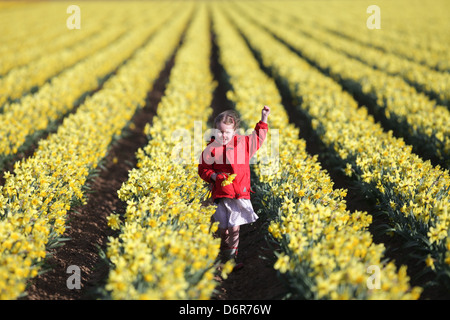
point(257, 280)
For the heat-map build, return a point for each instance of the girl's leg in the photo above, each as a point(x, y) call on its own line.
point(233, 240)
point(230, 242)
point(224, 235)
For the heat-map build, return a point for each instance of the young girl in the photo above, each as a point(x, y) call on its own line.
point(225, 163)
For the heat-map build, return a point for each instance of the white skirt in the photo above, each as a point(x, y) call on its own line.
point(234, 212)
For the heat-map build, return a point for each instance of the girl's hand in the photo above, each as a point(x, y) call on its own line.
point(214, 176)
point(265, 113)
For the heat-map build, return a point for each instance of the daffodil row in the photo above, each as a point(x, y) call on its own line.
point(11, 18)
point(404, 31)
point(35, 113)
point(21, 80)
point(414, 194)
point(165, 249)
point(36, 198)
point(31, 64)
point(34, 42)
point(20, 31)
point(425, 79)
point(423, 123)
point(326, 250)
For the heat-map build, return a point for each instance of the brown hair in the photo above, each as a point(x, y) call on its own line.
point(228, 117)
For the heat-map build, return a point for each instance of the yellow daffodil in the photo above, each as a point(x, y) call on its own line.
point(229, 180)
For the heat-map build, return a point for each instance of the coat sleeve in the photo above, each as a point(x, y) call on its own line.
point(205, 165)
point(257, 137)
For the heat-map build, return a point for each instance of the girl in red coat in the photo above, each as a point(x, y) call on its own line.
point(225, 164)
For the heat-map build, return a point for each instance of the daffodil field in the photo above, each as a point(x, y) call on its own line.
point(378, 100)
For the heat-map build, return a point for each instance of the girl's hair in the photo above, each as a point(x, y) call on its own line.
point(228, 117)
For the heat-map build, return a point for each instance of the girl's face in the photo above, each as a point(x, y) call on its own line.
point(225, 132)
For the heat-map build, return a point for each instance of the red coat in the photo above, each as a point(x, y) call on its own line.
point(232, 158)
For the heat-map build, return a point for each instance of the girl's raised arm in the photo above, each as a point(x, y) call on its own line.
point(256, 139)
